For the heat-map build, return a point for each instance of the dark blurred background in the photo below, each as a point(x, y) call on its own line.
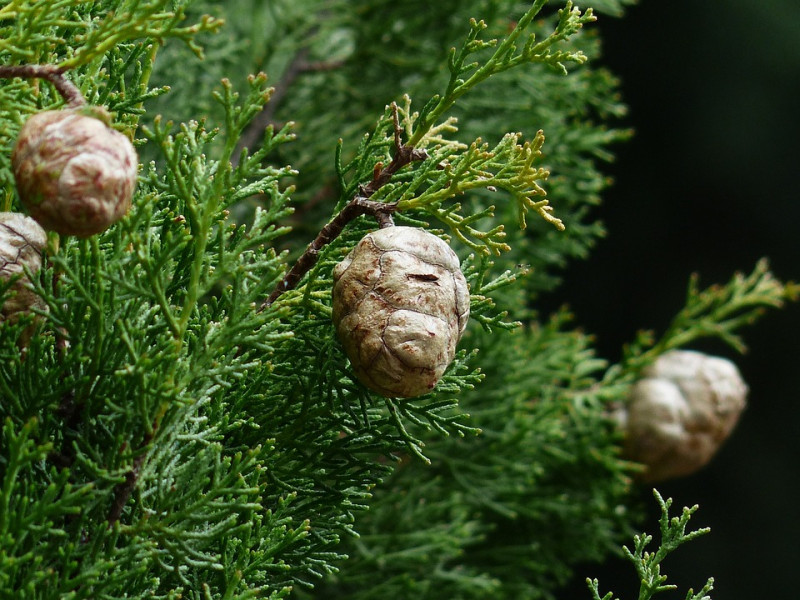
point(709, 185)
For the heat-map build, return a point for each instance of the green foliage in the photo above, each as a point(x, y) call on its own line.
point(337, 53)
point(166, 434)
point(491, 510)
point(716, 312)
point(466, 75)
point(648, 564)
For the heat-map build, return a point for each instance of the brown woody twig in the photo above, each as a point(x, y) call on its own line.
point(358, 206)
point(124, 490)
point(55, 75)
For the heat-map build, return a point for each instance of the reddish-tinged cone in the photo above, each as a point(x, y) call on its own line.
point(75, 175)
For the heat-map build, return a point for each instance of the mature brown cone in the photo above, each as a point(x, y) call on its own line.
point(21, 244)
point(400, 306)
point(680, 412)
point(75, 174)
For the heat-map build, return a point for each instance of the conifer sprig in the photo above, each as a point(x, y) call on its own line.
point(510, 165)
point(203, 189)
point(448, 168)
point(483, 307)
point(30, 23)
point(181, 272)
point(718, 311)
point(453, 169)
point(648, 564)
point(466, 75)
point(140, 19)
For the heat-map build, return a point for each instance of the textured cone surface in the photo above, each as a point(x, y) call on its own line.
point(21, 242)
point(681, 411)
point(400, 306)
point(75, 175)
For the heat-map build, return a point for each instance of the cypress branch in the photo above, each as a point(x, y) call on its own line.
point(167, 432)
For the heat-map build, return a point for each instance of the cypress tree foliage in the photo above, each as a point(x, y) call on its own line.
point(183, 422)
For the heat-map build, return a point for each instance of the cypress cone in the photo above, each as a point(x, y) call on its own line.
point(75, 174)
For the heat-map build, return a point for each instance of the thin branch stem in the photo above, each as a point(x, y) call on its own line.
point(55, 75)
point(355, 208)
point(358, 206)
point(124, 490)
point(70, 411)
